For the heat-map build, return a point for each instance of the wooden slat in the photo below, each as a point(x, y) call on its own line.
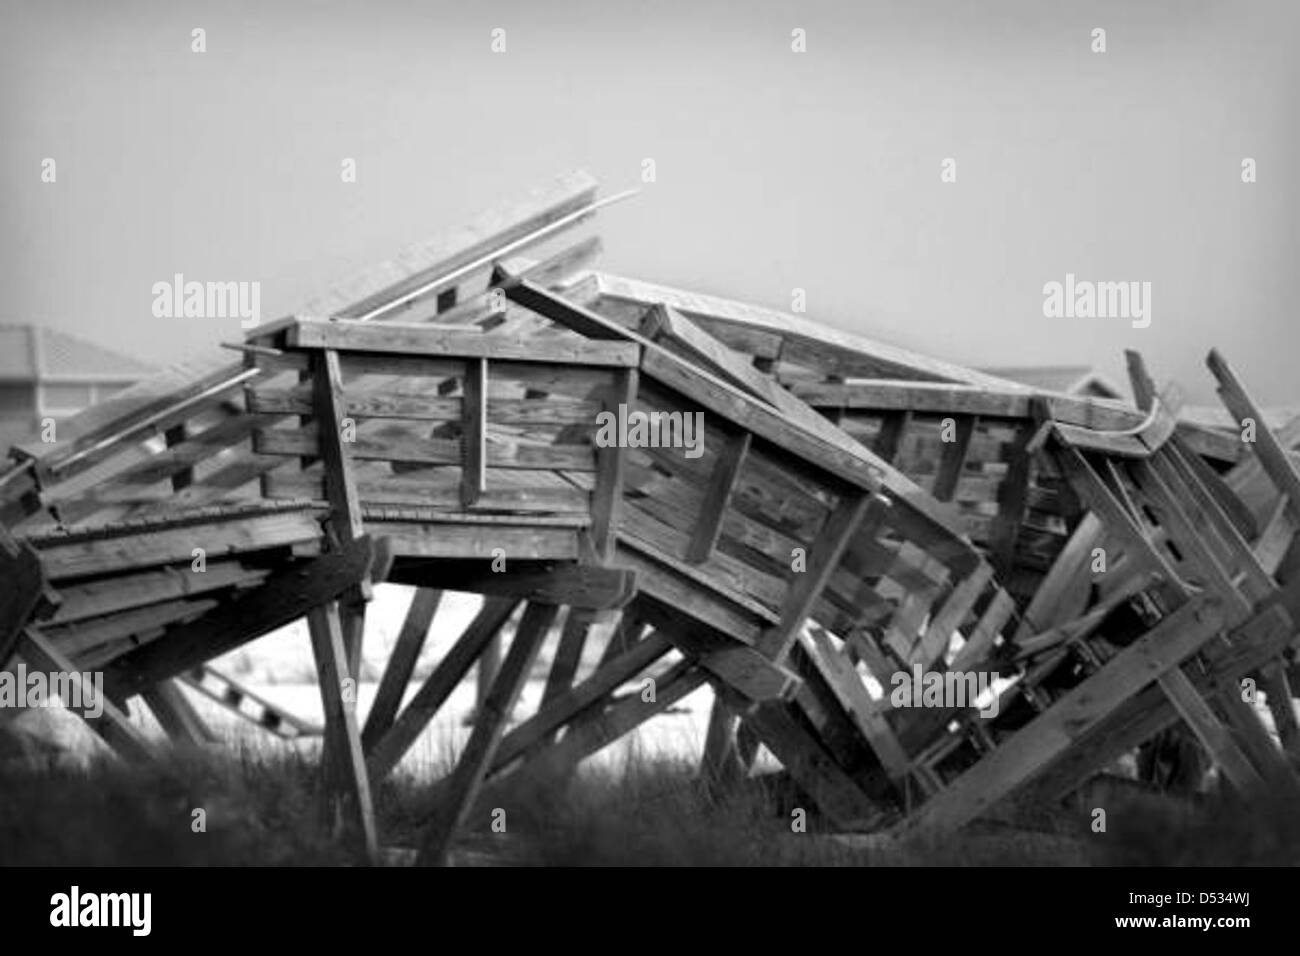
point(1272, 455)
point(611, 471)
point(726, 471)
point(954, 458)
point(1029, 750)
point(284, 597)
point(401, 664)
point(113, 725)
point(430, 451)
point(493, 713)
point(841, 526)
point(392, 746)
point(344, 754)
point(405, 338)
point(473, 479)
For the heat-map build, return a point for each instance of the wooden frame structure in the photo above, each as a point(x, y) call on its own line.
point(791, 516)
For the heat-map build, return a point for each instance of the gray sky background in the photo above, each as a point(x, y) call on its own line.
point(775, 170)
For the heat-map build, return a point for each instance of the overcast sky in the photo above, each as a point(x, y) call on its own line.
point(775, 170)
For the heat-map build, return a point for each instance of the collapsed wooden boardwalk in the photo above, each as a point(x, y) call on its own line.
point(850, 512)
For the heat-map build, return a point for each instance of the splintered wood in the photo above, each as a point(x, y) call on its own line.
point(929, 592)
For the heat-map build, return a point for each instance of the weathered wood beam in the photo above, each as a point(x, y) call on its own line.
point(841, 526)
point(347, 777)
point(473, 422)
point(284, 597)
point(493, 714)
point(611, 470)
point(113, 724)
point(392, 746)
point(177, 715)
point(583, 586)
point(401, 664)
point(722, 483)
point(1025, 754)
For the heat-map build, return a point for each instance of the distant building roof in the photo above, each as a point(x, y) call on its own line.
point(1069, 379)
point(62, 356)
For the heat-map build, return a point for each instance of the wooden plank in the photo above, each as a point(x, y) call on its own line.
point(1272, 455)
point(611, 471)
point(20, 567)
point(1210, 732)
point(349, 780)
point(103, 596)
point(857, 703)
point(405, 447)
point(726, 471)
point(575, 701)
point(954, 458)
point(585, 587)
point(407, 338)
point(1012, 501)
point(1063, 592)
point(392, 746)
point(473, 477)
point(671, 329)
point(284, 597)
point(401, 664)
point(113, 725)
point(177, 715)
point(506, 224)
point(599, 730)
point(434, 488)
point(841, 526)
point(437, 538)
point(153, 547)
point(1025, 754)
point(568, 655)
point(553, 410)
point(944, 622)
point(833, 791)
point(493, 714)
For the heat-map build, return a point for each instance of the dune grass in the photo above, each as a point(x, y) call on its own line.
point(264, 807)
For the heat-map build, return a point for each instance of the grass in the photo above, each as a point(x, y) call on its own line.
point(264, 808)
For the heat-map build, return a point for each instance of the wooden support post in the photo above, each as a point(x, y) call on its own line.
point(531, 736)
point(1025, 754)
point(284, 597)
point(568, 654)
point(889, 439)
point(806, 586)
point(1013, 498)
point(1210, 732)
point(611, 467)
point(473, 424)
point(598, 730)
point(714, 507)
point(720, 764)
point(177, 435)
point(486, 736)
point(804, 756)
point(392, 746)
point(347, 780)
point(1272, 455)
point(113, 724)
point(401, 664)
point(177, 715)
point(954, 458)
